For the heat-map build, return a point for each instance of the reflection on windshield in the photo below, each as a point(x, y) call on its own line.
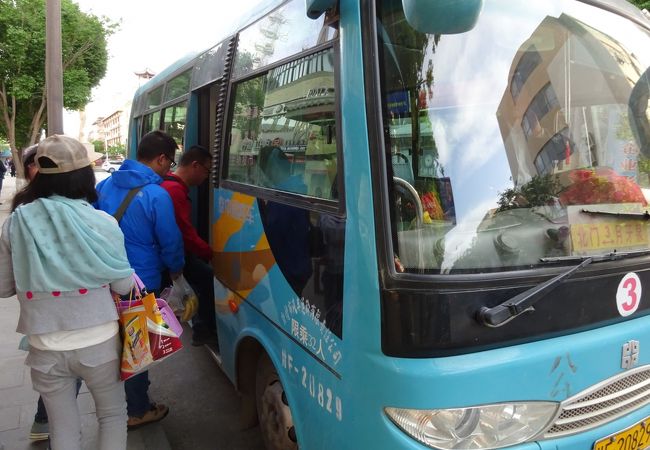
point(499, 138)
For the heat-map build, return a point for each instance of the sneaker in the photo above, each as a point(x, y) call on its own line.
point(40, 431)
point(156, 413)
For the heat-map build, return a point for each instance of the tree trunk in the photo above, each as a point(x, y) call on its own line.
point(37, 120)
point(9, 119)
point(18, 162)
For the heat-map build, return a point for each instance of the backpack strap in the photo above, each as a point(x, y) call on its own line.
point(125, 203)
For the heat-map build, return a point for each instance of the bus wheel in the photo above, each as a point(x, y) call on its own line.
point(273, 408)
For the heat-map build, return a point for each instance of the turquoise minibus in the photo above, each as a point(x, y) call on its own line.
point(429, 219)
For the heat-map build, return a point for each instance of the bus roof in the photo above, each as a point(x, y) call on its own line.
point(247, 19)
point(167, 71)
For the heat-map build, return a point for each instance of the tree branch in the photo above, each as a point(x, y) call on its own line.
point(76, 55)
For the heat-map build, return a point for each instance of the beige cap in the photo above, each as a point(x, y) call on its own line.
point(67, 153)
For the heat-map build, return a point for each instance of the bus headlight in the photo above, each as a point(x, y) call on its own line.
point(481, 427)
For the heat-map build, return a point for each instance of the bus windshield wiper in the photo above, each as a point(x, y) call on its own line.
point(503, 313)
point(628, 215)
point(611, 256)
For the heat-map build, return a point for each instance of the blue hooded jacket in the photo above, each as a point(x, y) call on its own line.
point(152, 239)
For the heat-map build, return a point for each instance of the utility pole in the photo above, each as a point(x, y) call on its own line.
point(54, 68)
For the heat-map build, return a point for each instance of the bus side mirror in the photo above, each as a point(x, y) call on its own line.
point(316, 8)
point(442, 16)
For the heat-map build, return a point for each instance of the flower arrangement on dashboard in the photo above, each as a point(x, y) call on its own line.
point(601, 185)
point(431, 206)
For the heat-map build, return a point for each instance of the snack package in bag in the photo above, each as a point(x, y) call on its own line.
point(148, 334)
point(136, 348)
point(181, 298)
point(162, 338)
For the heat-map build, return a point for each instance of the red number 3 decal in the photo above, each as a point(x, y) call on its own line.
point(628, 295)
point(630, 285)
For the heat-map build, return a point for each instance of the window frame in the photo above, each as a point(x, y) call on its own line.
point(177, 103)
point(160, 109)
point(540, 100)
point(143, 122)
point(188, 72)
point(336, 207)
point(158, 89)
point(524, 62)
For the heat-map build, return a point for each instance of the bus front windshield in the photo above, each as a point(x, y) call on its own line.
point(521, 142)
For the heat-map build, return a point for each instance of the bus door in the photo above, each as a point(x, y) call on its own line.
point(207, 111)
point(278, 224)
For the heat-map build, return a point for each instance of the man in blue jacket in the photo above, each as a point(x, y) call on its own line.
point(152, 239)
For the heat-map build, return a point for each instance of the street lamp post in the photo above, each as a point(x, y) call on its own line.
point(54, 68)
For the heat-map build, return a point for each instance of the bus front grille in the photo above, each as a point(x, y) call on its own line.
point(603, 403)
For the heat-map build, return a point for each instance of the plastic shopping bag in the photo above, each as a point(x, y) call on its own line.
point(148, 335)
point(169, 317)
point(163, 340)
point(136, 349)
point(181, 298)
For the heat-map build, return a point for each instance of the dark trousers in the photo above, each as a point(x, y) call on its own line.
point(137, 389)
point(200, 276)
point(137, 394)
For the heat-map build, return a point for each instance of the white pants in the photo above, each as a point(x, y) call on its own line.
point(54, 376)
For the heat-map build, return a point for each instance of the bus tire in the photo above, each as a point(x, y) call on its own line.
point(273, 411)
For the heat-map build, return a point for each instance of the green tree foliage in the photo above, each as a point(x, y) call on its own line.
point(641, 4)
point(116, 151)
point(539, 191)
point(99, 146)
point(22, 65)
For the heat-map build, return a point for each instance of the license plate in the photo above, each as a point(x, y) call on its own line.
point(636, 437)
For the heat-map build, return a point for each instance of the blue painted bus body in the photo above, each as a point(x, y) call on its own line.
point(338, 388)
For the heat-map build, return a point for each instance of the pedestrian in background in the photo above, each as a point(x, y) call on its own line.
point(61, 258)
point(3, 170)
point(193, 170)
point(152, 238)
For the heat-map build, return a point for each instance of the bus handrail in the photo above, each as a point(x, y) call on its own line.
point(418, 203)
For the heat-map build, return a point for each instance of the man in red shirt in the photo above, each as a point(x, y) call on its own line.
point(193, 170)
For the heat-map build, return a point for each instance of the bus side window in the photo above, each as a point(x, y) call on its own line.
point(151, 122)
point(174, 120)
point(283, 137)
point(283, 132)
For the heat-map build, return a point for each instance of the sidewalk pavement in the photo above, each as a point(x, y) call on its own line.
point(18, 399)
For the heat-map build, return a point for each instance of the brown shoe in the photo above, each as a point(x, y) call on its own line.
point(156, 413)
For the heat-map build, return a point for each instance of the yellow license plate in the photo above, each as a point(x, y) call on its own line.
point(637, 437)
